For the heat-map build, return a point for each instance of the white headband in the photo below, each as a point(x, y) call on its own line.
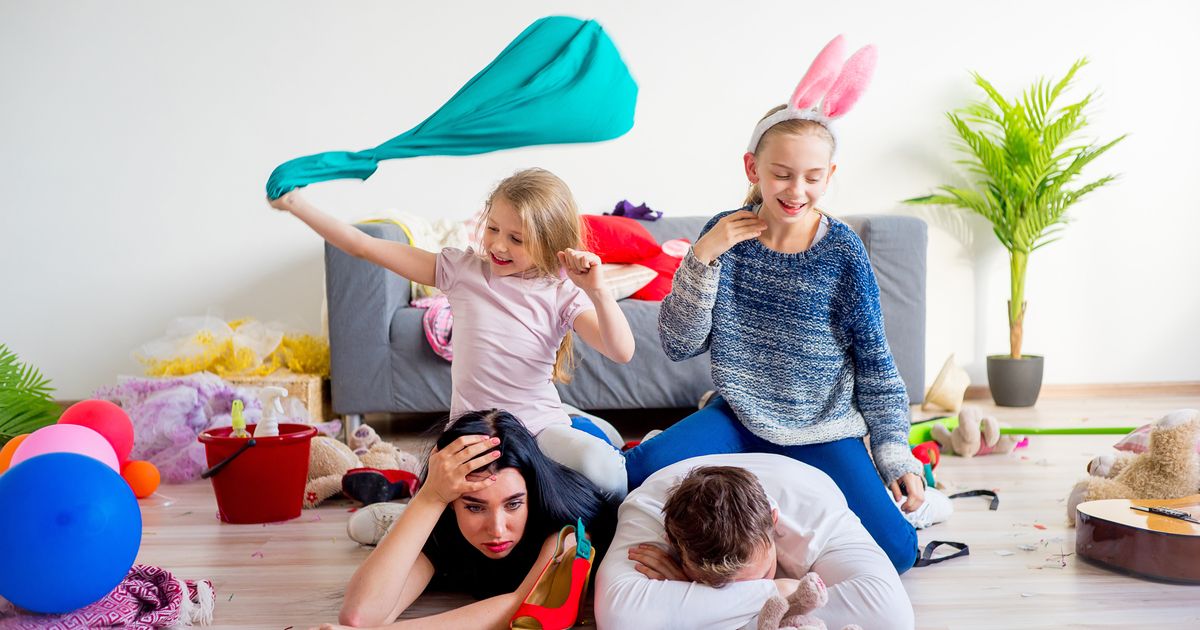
point(828, 90)
point(788, 113)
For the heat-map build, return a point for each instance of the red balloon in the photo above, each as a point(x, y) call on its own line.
point(105, 418)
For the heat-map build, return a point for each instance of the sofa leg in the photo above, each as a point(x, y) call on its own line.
point(350, 424)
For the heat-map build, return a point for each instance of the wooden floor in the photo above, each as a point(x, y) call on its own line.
point(292, 574)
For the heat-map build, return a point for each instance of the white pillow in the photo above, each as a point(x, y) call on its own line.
point(623, 280)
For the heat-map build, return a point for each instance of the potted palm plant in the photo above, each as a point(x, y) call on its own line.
point(1025, 156)
point(25, 403)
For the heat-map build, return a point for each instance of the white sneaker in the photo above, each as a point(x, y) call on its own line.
point(368, 525)
point(936, 508)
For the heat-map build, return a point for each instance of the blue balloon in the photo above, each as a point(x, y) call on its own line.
point(71, 529)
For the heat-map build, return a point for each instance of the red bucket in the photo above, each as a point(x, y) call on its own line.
point(262, 483)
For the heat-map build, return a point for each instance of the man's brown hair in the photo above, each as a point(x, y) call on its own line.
point(718, 517)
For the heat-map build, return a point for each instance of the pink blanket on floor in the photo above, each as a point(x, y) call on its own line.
point(148, 597)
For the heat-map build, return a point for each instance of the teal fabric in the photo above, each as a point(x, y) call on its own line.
point(560, 81)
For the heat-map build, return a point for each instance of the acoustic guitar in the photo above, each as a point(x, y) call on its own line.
point(1129, 536)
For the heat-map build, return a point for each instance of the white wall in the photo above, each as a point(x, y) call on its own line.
point(135, 139)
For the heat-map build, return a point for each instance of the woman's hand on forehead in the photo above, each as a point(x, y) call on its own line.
point(451, 468)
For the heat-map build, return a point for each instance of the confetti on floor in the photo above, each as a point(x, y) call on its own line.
point(1026, 594)
point(1003, 552)
point(256, 554)
point(1039, 526)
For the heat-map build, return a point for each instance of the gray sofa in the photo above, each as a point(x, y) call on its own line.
point(381, 361)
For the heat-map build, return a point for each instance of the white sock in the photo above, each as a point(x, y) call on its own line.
point(936, 508)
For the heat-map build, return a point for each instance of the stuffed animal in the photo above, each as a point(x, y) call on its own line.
point(795, 612)
point(975, 434)
point(1168, 470)
point(330, 459)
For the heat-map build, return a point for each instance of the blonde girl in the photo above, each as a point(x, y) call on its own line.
point(516, 301)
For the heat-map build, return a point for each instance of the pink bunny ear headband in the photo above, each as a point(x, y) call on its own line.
point(828, 90)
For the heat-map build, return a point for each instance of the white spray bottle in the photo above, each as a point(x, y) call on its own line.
point(272, 411)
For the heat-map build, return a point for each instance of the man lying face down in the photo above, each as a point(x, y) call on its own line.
point(704, 543)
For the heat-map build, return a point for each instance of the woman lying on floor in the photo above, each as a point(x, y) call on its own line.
point(485, 522)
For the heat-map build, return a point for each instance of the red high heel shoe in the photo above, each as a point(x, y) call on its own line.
point(553, 604)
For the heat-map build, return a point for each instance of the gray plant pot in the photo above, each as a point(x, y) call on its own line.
point(1015, 382)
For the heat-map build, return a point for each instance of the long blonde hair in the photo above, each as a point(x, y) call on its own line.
point(795, 127)
point(550, 223)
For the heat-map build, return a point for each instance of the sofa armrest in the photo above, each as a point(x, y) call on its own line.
point(363, 299)
point(897, 247)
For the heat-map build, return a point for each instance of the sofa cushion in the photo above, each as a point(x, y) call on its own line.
point(618, 239)
point(624, 280)
point(664, 266)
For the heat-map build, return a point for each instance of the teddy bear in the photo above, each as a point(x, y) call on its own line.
point(975, 434)
point(330, 459)
point(795, 612)
point(1169, 469)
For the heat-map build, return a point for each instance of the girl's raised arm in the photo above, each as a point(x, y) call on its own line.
point(604, 328)
point(411, 262)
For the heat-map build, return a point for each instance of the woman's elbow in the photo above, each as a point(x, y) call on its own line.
point(355, 616)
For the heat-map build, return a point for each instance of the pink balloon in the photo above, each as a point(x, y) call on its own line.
point(67, 438)
point(107, 419)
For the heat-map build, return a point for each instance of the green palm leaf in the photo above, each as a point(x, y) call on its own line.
point(25, 402)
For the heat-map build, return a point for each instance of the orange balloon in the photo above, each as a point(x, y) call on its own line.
point(6, 453)
point(142, 477)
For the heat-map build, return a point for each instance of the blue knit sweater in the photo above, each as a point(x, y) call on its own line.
point(797, 343)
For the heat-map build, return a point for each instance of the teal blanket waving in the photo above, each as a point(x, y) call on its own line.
point(560, 81)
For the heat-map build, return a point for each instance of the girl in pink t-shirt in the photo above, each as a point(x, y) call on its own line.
point(514, 312)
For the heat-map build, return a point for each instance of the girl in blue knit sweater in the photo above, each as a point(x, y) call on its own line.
point(783, 297)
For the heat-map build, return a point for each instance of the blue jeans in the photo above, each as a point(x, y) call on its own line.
point(716, 430)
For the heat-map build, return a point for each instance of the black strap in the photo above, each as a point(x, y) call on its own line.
point(995, 505)
point(927, 558)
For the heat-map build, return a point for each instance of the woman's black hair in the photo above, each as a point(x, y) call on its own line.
point(556, 496)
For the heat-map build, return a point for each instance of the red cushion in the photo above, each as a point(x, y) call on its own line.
point(619, 239)
point(665, 265)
